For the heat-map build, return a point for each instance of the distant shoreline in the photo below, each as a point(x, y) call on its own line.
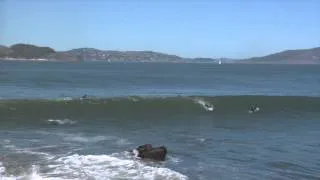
point(27, 52)
point(119, 61)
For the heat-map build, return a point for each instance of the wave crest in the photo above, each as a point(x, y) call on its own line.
point(61, 121)
point(161, 107)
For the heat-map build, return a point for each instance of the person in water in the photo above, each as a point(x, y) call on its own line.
point(254, 108)
point(207, 105)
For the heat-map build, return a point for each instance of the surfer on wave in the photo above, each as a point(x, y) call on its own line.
point(85, 96)
point(253, 109)
point(208, 107)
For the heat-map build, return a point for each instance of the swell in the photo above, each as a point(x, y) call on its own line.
point(129, 107)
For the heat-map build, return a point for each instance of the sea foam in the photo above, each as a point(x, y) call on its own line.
point(99, 167)
point(107, 167)
point(2, 169)
point(61, 121)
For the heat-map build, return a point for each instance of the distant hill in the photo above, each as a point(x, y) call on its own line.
point(4, 51)
point(301, 56)
point(28, 52)
point(90, 54)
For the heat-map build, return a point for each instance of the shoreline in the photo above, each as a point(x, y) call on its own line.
point(104, 61)
point(173, 62)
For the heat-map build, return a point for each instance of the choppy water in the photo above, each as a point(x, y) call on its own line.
point(48, 132)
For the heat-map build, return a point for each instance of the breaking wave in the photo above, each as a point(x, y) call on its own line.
point(69, 166)
point(61, 112)
point(77, 166)
point(61, 121)
point(107, 167)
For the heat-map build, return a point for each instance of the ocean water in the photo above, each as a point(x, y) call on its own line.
point(47, 131)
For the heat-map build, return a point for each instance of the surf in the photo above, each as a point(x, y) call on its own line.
point(76, 166)
point(74, 112)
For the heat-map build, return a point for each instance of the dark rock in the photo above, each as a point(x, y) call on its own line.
point(155, 153)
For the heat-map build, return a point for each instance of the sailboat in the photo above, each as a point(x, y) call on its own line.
point(220, 61)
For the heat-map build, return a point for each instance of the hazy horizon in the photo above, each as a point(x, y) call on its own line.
point(229, 29)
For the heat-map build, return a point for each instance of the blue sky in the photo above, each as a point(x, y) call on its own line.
point(189, 28)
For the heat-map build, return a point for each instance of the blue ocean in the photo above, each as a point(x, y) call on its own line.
point(64, 120)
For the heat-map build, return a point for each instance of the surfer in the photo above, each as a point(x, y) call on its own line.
point(84, 96)
point(208, 107)
point(254, 108)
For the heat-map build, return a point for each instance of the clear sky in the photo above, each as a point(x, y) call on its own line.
point(189, 28)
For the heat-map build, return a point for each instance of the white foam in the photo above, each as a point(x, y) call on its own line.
point(9, 146)
point(201, 139)
point(3, 175)
point(83, 139)
point(33, 175)
point(65, 99)
point(32, 151)
point(98, 167)
point(135, 152)
point(9, 177)
point(122, 142)
point(7, 141)
point(206, 105)
point(2, 169)
point(108, 167)
point(93, 139)
point(79, 137)
point(61, 121)
point(29, 151)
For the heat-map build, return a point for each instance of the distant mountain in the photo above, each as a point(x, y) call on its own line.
point(28, 52)
point(302, 56)
point(4, 51)
point(90, 54)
